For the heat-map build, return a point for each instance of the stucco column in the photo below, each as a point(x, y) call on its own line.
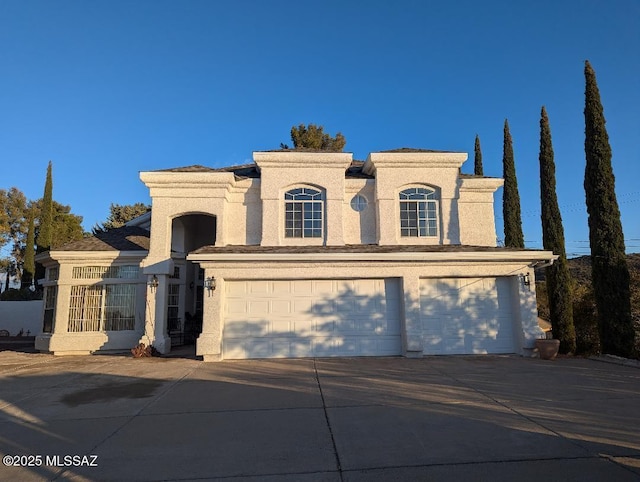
point(412, 324)
point(449, 221)
point(155, 329)
point(271, 228)
point(335, 235)
point(61, 319)
point(528, 311)
point(60, 327)
point(387, 229)
point(209, 343)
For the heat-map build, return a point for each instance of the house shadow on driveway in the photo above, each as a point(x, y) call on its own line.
point(467, 418)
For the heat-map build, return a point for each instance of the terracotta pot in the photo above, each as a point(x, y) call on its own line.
point(547, 349)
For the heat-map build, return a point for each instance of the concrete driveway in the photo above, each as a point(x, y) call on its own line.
point(455, 418)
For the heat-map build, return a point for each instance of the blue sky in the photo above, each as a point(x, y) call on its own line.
point(106, 89)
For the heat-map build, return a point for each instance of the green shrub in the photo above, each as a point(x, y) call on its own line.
point(25, 294)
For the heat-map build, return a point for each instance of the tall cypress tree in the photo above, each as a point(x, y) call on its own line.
point(477, 164)
point(46, 214)
point(513, 237)
point(610, 273)
point(29, 267)
point(557, 275)
point(45, 234)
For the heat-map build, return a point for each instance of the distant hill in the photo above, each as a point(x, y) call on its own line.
point(583, 304)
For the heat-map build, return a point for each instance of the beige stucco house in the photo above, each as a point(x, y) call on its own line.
point(301, 254)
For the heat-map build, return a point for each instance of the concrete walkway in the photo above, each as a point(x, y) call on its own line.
point(456, 418)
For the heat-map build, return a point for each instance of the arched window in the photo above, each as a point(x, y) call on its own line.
point(418, 212)
point(303, 213)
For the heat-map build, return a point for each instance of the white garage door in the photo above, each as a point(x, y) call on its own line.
point(311, 318)
point(466, 316)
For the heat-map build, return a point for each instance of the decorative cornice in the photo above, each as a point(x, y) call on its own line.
point(403, 160)
point(480, 184)
point(528, 256)
point(186, 180)
point(301, 159)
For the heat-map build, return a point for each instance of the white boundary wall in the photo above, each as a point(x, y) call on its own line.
point(21, 315)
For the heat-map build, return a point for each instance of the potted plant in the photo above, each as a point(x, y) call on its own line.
point(547, 347)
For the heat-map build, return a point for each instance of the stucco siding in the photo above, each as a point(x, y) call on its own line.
point(359, 226)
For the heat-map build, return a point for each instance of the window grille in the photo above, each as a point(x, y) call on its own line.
point(102, 272)
point(173, 308)
point(418, 212)
point(102, 308)
point(53, 273)
point(50, 296)
point(303, 213)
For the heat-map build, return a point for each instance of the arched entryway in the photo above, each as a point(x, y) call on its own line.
point(185, 287)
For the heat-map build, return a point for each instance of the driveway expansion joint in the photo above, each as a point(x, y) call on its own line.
point(326, 417)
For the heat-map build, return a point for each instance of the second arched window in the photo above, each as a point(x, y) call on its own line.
point(303, 213)
point(418, 212)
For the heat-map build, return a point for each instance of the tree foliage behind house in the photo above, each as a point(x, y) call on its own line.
point(29, 264)
point(313, 137)
point(610, 273)
point(119, 214)
point(45, 231)
point(477, 158)
point(585, 314)
point(16, 216)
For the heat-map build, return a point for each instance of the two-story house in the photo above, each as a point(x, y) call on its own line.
point(301, 254)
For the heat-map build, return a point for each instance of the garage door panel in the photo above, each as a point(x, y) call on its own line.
point(258, 308)
point(277, 286)
point(466, 316)
point(259, 287)
point(301, 305)
point(327, 307)
point(300, 318)
point(281, 307)
point(232, 289)
point(303, 287)
point(323, 286)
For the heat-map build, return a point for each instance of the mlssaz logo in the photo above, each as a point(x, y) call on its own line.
point(72, 460)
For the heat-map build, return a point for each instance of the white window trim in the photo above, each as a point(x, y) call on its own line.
point(303, 241)
point(424, 239)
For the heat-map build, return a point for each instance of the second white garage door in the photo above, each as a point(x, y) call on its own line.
point(467, 316)
point(311, 318)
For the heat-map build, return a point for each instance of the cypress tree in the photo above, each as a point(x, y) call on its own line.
point(46, 214)
point(29, 267)
point(477, 164)
point(557, 275)
point(610, 273)
point(513, 237)
point(45, 234)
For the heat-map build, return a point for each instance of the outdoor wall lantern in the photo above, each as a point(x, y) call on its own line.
point(210, 284)
point(153, 283)
point(526, 281)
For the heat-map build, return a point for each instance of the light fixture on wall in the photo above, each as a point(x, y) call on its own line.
point(526, 280)
point(210, 284)
point(153, 283)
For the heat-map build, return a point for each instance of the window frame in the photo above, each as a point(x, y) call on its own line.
point(92, 307)
point(419, 213)
point(304, 213)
